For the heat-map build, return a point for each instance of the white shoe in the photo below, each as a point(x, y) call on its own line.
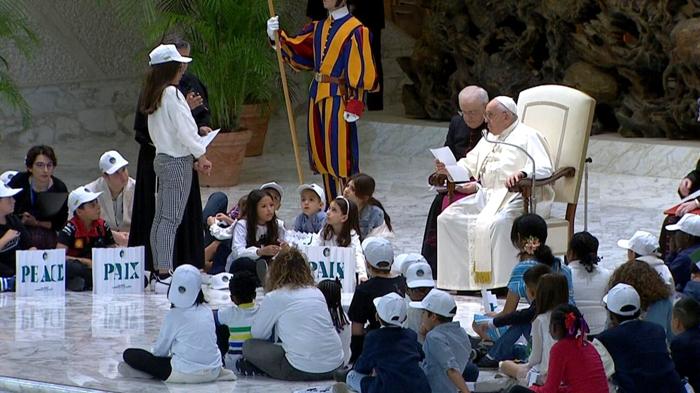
point(161, 285)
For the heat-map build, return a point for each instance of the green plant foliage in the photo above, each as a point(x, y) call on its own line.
point(15, 31)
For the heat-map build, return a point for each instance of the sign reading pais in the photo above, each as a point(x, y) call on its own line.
point(332, 262)
point(41, 273)
point(117, 270)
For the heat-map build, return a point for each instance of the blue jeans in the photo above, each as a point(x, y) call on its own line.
point(503, 347)
point(471, 372)
point(217, 203)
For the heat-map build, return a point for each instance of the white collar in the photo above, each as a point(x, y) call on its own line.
point(339, 13)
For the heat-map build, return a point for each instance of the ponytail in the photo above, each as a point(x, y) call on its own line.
point(387, 219)
point(569, 319)
point(584, 248)
point(543, 254)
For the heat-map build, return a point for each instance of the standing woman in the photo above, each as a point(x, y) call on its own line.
point(189, 244)
point(36, 183)
point(175, 136)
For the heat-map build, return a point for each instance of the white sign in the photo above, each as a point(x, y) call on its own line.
point(41, 273)
point(117, 270)
point(332, 262)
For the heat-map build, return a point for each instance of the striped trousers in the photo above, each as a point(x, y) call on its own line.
point(174, 182)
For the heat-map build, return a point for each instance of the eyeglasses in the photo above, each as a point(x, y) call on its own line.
point(44, 165)
point(490, 115)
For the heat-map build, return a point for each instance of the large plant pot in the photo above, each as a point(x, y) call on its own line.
point(255, 118)
point(226, 154)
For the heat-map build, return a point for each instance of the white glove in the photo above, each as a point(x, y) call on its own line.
point(350, 117)
point(273, 24)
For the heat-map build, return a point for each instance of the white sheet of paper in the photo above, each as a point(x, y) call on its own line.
point(444, 154)
point(457, 173)
point(691, 196)
point(206, 140)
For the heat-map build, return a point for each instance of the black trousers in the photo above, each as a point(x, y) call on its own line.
point(429, 249)
point(375, 101)
point(142, 360)
point(519, 389)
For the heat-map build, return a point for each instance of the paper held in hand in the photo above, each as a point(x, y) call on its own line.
point(457, 173)
point(206, 140)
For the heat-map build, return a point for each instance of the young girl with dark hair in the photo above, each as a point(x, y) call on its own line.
point(374, 220)
point(331, 290)
point(258, 237)
point(175, 135)
point(529, 235)
point(552, 291)
point(341, 230)
point(37, 183)
point(573, 361)
point(590, 280)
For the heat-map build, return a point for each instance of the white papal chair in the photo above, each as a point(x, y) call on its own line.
point(564, 117)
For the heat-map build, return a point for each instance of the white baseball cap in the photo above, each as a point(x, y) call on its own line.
point(165, 53)
point(642, 243)
point(7, 176)
point(378, 252)
point(6, 191)
point(437, 302)
point(313, 187)
point(112, 161)
point(508, 103)
point(274, 186)
point(419, 275)
point(391, 308)
point(220, 281)
point(689, 223)
point(622, 299)
point(185, 286)
point(403, 261)
point(79, 196)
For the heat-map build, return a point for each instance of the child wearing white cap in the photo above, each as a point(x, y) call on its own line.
point(642, 246)
point(637, 349)
point(275, 191)
point(186, 349)
point(7, 176)
point(379, 255)
point(692, 287)
point(312, 216)
point(117, 194)
point(390, 359)
point(685, 248)
point(419, 282)
point(447, 346)
point(83, 232)
point(13, 237)
point(341, 229)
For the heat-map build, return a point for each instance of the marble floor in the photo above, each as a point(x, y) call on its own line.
point(75, 343)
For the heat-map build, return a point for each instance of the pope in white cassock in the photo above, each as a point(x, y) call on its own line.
point(474, 246)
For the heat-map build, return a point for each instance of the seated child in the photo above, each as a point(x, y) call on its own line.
point(692, 288)
point(446, 346)
point(685, 249)
point(312, 215)
point(275, 191)
point(6, 176)
point(685, 346)
point(390, 360)
point(518, 323)
point(341, 230)
point(574, 364)
point(642, 246)
point(552, 291)
point(186, 350)
point(419, 282)
point(380, 256)
point(239, 318)
point(374, 220)
point(331, 290)
point(220, 234)
point(83, 232)
point(13, 237)
point(636, 348)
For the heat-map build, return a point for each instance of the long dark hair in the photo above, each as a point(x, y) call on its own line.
point(344, 238)
point(364, 188)
point(251, 216)
point(331, 291)
point(552, 290)
point(158, 78)
point(569, 319)
point(530, 226)
point(584, 247)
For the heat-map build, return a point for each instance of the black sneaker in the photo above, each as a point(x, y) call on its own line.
point(246, 368)
point(487, 362)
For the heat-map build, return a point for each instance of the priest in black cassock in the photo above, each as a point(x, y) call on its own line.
point(189, 239)
point(463, 134)
point(371, 14)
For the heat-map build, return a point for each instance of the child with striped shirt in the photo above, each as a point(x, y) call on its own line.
point(238, 318)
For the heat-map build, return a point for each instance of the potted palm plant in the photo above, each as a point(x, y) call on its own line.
point(233, 59)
